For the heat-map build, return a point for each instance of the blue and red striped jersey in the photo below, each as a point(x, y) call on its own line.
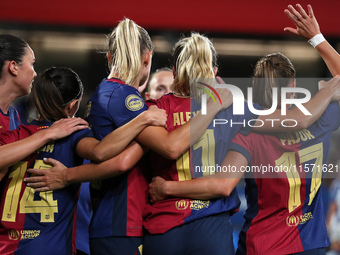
point(42, 222)
point(207, 153)
point(285, 211)
point(117, 202)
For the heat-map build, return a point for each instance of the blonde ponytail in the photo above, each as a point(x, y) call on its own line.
point(194, 58)
point(128, 43)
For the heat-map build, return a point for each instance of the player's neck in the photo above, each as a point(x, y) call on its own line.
point(6, 99)
point(115, 75)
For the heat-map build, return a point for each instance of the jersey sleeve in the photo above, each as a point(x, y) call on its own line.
point(243, 145)
point(125, 104)
point(87, 132)
point(331, 117)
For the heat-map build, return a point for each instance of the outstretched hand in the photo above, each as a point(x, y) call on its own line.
point(47, 179)
point(306, 24)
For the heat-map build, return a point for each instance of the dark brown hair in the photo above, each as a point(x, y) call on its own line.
point(12, 48)
point(273, 70)
point(55, 89)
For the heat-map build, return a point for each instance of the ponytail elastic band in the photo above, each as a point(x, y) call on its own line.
point(316, 40)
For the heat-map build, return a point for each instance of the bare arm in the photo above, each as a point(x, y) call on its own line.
point(316, 106)
point(59, 176)
point(172, 145)
point(116, 141)
point(14, 152)
point(307, 27)
point(210, 187)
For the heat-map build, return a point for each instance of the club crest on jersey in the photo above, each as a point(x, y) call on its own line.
point(134, 102)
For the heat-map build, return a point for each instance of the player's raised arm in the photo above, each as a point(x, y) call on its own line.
point(307, 27)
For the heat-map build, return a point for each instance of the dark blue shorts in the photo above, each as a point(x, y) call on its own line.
point(212, 235)
point(116, 245)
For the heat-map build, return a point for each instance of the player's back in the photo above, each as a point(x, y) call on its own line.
point(39, 222)
point(285, 211)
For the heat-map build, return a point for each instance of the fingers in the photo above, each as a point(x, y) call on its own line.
point(310, 11)
point(65, 127)
point(321, 84)
point(70, 121)
point(38, 183)
point(43, 189)
point(296, 14)
point(302, 11)
point(79, 127)
point(291, 16)
point(291, 30)
point(51, 161)
point(54, 163)
point(35, 179)
point(38, 172)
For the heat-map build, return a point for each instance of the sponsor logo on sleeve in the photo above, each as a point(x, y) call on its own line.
point(134, 102)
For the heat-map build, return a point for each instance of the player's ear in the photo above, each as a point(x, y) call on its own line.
point(147, 58)
point(72, 108)
point(293, 84)
point(174, 71)
point(108, 57)
point(215, 70)
point(13, 67)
